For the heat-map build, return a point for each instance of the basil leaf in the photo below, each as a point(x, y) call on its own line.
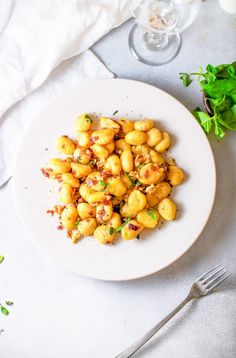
point(219, 132)
point(4, 311)
point(111, 230)
point(204, 119)
point(186, 79)
point(152, 214)
point(114, 113)
point(228, 118)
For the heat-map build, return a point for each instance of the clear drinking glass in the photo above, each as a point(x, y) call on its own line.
point(155, 38)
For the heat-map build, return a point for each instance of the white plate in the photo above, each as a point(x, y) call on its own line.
point(126, 259)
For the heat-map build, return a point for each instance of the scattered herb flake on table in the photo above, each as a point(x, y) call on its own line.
point(9, 303)
point(218, 84)
point(1, 258)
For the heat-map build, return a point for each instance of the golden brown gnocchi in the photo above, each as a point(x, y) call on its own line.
point(131, 230)
point(65, 145)
point(83, 123)
point(175, 175)
point(136, 137)
point(167, 209)
point(114, 179)
point(85, 210)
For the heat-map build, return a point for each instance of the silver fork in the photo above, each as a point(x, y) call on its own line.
point(201, 287)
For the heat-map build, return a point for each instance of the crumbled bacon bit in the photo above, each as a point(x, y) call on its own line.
point(52, 212)
point(155, 167)
point(92, 182)
point(93, 139)
point(105, 174)
point(132, 227)
point(150, 189)
point(60, 227)
point(45, 172)
point(146, 174)
point(69, 234)
point(58, 209)
point(107, 201)
point(100, 163)
point(134, 174)
point(81, 200)
point(141, 188)
point(101, 214)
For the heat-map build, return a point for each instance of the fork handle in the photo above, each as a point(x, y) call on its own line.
point(141, 341)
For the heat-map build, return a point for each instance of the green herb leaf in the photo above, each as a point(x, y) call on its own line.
point(102, 183)
point(204, 120)
point(152, 214)
point(138, 237)
point(114, 113)
point(111, 230)
point(120, 228)
point(1, 258)
point(138, 183)
point(219, 86)
point(123, 224)
point(185, 77)
point(9, 303)
point(89, 118)
point(4, 311)
point(76, 224)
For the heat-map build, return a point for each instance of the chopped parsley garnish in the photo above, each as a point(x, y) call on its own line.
point(1, 258)
point(89, 118)
point(4, 311)
point(152, 214)
point(123, 224)
point(111, 230)
point(114, 113)
point(76, 224)
point(102, 183)
point(137, 237)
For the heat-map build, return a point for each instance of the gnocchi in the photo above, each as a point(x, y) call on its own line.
point(136, 137)
point(65, 145)
point(114, 179)
point(167, 209)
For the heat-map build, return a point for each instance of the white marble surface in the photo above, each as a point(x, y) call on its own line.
point(59, 314)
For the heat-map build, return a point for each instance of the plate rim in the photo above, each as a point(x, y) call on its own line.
point(54, 258)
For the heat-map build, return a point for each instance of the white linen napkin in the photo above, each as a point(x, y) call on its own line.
point(35, 38)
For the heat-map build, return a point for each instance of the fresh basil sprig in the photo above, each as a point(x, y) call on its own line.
point(219, 86)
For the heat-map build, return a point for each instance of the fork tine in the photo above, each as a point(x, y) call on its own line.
point(215, 279)
point(212, 275)
point(218, 282)
point(206, 273)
